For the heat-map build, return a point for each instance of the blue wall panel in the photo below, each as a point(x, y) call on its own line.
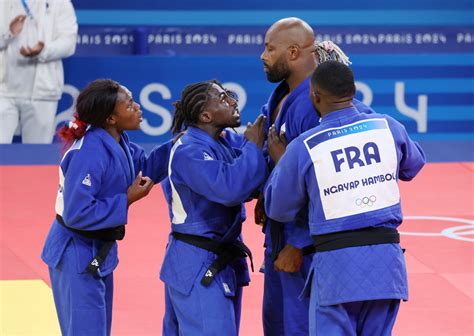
point(413, 59)
point(157, 81)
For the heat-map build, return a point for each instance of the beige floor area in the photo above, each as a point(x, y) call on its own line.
point(27, 308)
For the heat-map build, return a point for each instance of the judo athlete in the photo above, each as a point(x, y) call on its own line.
point(204, 267)
point(290, 57)
point(345, 171)
point(100, 176)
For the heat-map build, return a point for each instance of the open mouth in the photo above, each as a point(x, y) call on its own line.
point(236, 114)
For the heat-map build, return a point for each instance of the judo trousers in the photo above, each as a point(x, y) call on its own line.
point(284, 313)
point(205, 311)
point(83, 301)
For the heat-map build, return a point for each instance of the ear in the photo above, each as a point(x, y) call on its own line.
point(111, 120)
point(315, 99)
point(205, 117)
point(293, 52)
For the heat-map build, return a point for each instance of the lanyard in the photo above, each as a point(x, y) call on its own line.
point(27, 9)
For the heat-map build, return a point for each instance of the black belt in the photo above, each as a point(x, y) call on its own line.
point(107, 235)
point(360, 237)
point(310, 249)
point(275, 236)
point(226, 253)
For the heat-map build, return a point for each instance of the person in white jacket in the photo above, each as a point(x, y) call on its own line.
point(34, 38)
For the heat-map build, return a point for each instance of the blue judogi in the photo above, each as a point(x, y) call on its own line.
point(345, 171)
point(208, 182)
point(94, 176)
point(283, 312)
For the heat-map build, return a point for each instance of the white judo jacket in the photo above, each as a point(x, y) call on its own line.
point(42, 77)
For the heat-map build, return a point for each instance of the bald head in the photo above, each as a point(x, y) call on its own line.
point(291, 31)
point(289, 51)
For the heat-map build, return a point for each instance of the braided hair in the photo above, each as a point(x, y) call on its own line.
point(330, 51)
point(194, 99)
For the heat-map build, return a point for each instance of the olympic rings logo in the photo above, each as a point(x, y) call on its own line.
point(366, 201)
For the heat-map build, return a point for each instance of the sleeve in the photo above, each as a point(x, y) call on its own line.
point(285, 191)
point(5, 39)
point(236, 140)
point(225, 183)
point(5, 34)
point(297, 234)
point(154, 165)
point(361, 107)
point(63, 43)
point(84, 208)
point(412, 156)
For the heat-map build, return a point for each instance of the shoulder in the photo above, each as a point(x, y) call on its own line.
point(395, 126)
point(302, 107)
point(392, 122)
point(298, 145)
point(88, 149)
point(362, 108)
point(190, 148)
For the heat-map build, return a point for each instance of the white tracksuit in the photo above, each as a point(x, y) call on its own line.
point(31, 87)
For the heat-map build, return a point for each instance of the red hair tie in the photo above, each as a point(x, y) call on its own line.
point(77, 123)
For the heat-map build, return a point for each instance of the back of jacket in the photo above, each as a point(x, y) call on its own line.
point(347, 169)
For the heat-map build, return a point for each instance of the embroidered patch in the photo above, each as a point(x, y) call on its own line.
point(207, 157)
point(87, 180)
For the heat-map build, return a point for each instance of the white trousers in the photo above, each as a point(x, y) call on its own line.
point(35, 117)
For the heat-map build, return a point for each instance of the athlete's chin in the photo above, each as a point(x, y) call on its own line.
point(137, 125)
point(236, 123)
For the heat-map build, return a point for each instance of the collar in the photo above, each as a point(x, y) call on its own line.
point(282, 89)
point(198, 133)
point(345, 113)
point(120, 150)
point(217, 145)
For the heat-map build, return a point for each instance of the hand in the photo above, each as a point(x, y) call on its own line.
point(255, 132)
point(289, 259)
point(259, 211)
point(139, 188)
point(276, 145)
point(32, 52)
point(16, 25)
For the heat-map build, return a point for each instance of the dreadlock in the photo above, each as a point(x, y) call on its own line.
point(193, 100)
point(329, 51)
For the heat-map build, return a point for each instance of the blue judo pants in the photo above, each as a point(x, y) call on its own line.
point(284, 313)
point(205, 311)
point(360, 318)
point(83, 302)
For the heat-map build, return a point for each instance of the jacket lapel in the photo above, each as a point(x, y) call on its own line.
point(118, 152)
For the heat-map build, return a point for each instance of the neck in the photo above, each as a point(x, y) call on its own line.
point(334, 107)
point(299, 75)
point(114, 133)
point(213, 131)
